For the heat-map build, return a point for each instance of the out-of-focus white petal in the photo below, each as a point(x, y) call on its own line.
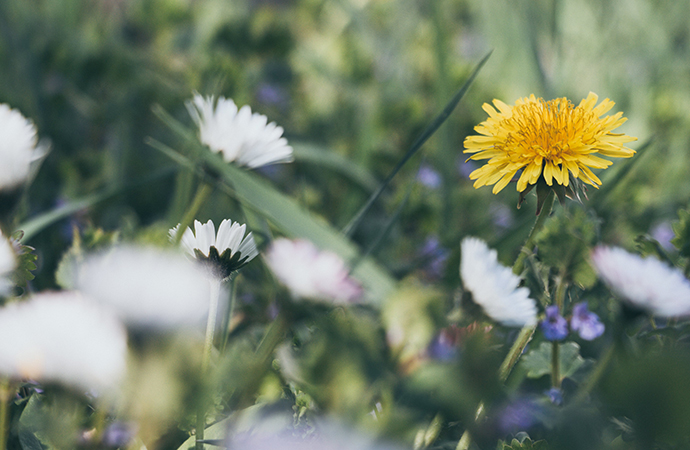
point(240, 136)
point(310, 273)
point(65, 338)
point(147, 287)
point(645, 282)
point(495, 287)
point(18, 141)
point(8, 262)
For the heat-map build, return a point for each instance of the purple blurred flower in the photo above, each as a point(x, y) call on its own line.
point(119, 434)
point(271, 94)
point(555, 396)
point(663, 233)
point(519, 415)
point(444, 345)
point(586, 323)
point(429, 177)
point(501, 215)
point(434, 256)
point(554, 326)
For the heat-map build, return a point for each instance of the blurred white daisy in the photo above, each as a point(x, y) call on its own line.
point(310, 273)
point(226, 252)
point(8, 262)
point(147, 287)
point(18, 147)
point(62, 337)
point(240, 136)
point(645, 282)
point(495, 287)
point(272, 434)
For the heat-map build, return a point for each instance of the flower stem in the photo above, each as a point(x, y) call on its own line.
point(538, 225)
point(202, 193)
point(206, 358)
point(4, 416)
point(555, 365)
point(231, 310)
point(598, 372)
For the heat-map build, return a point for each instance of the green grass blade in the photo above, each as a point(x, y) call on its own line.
point(426, 134)
point(311, 154)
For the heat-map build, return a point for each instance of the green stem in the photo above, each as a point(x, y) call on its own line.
point(208, 346)
point(202, 193)
point(515, 351)
point(527, 248)
point(4, 413)
point(555, 365)
point(225, 336)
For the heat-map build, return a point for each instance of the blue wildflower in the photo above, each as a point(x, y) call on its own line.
point(429, 177)
point(555, 395)
point(554, 326)
point(586, 323)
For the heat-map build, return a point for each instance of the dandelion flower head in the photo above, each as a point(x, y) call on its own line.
point(240, 136)
point(494, 287)
point(645, 282)
point(226, 252)
point(553, 140)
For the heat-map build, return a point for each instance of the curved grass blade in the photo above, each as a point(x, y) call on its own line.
point(426, 134)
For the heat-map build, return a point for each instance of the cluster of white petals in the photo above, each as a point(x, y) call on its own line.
point(310, 273)
point(240, 136)
point(147, 287)
point(18, 140)
point(62, 337)
point(645, 282)
point(8, 262)
point(230, 237)
point(495, 287)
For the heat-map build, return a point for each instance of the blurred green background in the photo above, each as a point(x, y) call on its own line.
point(355, 79)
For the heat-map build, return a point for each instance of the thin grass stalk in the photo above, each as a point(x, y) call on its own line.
point(4, 412)
point(202, 193)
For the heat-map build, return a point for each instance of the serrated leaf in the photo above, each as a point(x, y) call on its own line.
point(537, 362)
point(526, 444)
point(26, 263)
point(682, 230)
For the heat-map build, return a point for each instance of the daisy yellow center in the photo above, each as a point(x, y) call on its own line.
point(554, 140)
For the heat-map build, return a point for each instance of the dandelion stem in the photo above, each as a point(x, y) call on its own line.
point(208, 346)
point(555, 365)
point(202, 193)
point(538, 225)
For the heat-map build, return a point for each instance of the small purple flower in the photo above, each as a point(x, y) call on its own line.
point(586, 323)
point(429, 177)
point(435, 256)
point(554, 326)
point(555, 396)
point(119, 434)
point(444, 346)
point(520, 415)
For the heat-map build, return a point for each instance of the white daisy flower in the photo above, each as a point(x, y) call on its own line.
point(147, 287)
point(62, 337)
point(8, 262)
point(495, 287)
point(310, 273)
point(18, 141)
point(645, 282)
point(240, 136)
point(226, 252)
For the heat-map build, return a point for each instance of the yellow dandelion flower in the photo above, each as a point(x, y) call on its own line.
point(548, 141)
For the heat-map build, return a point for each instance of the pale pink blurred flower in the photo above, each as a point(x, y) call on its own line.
point(310, 273)
point(645, 282)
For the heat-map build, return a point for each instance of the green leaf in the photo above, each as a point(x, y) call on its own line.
point(682, 230)
point(217, 431)
point(526, 444)
point(537, 362)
